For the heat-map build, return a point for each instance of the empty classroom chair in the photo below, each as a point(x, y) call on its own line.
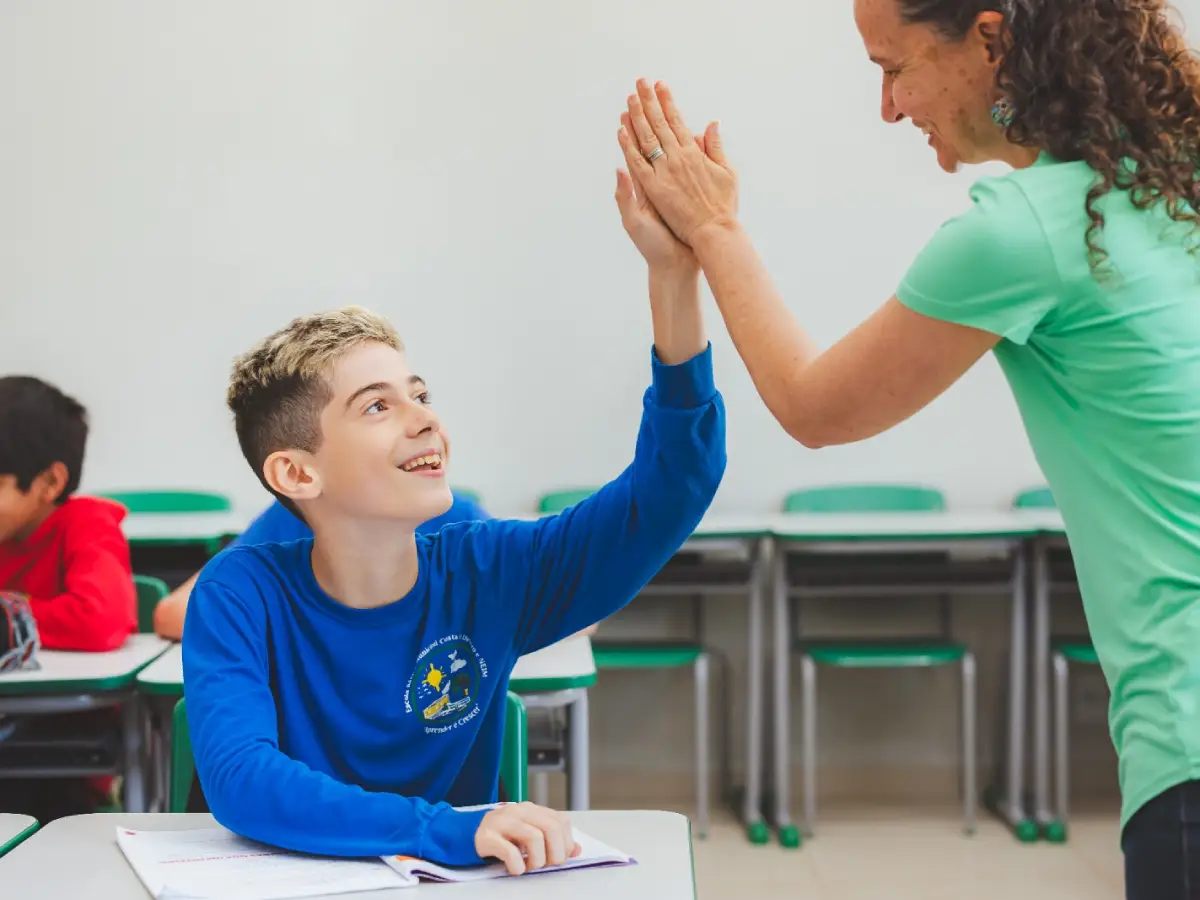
point(876, 653)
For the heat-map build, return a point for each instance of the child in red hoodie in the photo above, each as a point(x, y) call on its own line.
point(66, 554)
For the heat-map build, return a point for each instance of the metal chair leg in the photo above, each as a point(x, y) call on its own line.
point(703, 778)
point(808, 720)
point(970, 787)
point(1061, 729)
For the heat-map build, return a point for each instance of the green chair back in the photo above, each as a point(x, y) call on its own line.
point(150, 591)
point(557, 501)
point(1035, 498)
point(183, 766)
point(852, 498)
point(514, 754)
point(171, 501)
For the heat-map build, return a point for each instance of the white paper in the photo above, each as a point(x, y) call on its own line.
point(215, 864)
point(592, 854)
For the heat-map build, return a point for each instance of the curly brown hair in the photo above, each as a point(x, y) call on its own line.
point(1109, 82)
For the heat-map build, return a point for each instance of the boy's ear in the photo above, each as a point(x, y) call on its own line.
point(51, 482)
point(291, 474)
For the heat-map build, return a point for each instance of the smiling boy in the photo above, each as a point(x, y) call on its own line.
point(346, 692)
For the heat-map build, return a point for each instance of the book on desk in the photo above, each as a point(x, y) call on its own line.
point(216, 864)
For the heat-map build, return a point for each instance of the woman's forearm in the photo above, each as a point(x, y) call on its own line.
point(770, 341)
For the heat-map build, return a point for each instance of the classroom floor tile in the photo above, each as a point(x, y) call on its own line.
point(866, 854)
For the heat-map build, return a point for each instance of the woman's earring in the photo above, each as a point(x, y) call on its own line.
point(1002, 112)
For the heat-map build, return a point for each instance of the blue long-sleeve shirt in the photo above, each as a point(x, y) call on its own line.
point(352, 732)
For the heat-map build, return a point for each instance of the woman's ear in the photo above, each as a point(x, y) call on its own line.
point(990, 30)
point(292, 474)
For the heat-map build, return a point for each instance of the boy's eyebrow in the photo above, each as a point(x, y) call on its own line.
point(380, 386)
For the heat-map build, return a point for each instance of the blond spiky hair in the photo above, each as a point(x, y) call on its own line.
point(278, 389)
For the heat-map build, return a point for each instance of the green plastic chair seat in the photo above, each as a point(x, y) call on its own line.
point(1078, 651)
point(645, 655)
point(150, 592)
point(159, 502)
point(882, 654)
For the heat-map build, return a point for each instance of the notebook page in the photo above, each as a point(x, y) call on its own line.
point(215, 864)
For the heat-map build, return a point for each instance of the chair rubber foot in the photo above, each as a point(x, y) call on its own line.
point(758, 833)
point(1055, 832)
point(1026, 831)
point(789, 837)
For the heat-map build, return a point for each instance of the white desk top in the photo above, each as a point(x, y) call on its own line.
point(63, 672)
point(165, 674)
point(952, 524)
point(568, 663)
point(1047, 521)
point(982, 525)
point(148, 527)
point(13, 828)
point(96, 868)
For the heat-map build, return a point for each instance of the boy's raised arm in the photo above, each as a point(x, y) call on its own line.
point(587, 562)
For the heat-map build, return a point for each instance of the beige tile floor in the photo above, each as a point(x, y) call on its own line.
point(869, 854)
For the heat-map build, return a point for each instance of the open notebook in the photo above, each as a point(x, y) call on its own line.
point(215, 864)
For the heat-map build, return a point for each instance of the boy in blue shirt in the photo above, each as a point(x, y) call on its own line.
point(346, 692)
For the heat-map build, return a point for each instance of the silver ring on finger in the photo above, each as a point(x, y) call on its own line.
point(655, 154)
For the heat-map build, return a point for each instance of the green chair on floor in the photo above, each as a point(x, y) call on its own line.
point(1063, 652)
point(614, 656)
point(877, 653)
point(513, 755)
point(150, 592)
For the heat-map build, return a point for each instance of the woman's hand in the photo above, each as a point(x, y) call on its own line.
point(690, 184)
point(658, 246)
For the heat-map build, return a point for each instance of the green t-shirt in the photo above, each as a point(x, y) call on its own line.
point(1106, 374)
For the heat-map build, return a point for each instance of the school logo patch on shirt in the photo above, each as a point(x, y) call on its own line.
point(444, 686)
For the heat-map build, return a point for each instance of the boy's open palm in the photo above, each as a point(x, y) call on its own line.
point(526, 837)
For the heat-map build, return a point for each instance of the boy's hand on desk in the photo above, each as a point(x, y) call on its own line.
point(525, 837)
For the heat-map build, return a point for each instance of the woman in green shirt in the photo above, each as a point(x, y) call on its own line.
point(1076, 270)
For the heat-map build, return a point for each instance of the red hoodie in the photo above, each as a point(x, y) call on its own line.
point(76, 572)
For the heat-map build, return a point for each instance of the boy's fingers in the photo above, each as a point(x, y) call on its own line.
point(531, 839)
point(505, 851)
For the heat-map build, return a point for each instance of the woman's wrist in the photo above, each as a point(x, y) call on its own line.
point(709, 239)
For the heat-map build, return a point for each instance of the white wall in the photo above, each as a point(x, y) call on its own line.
point(179, 179)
